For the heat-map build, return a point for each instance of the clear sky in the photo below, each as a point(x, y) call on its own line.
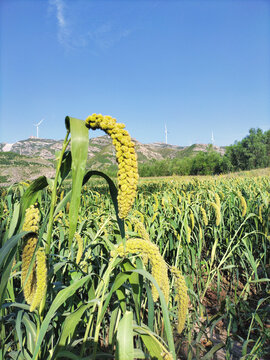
point(198, 66)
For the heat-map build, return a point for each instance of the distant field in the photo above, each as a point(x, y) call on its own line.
point(215, 229)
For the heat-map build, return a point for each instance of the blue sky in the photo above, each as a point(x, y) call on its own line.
point(196, 66)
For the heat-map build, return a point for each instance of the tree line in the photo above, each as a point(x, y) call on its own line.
point(250, 153)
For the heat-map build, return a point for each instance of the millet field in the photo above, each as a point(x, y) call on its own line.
point(171, 268)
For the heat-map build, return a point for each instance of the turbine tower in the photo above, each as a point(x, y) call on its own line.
point(212, 138)
point(166, 134)
point(37, 125)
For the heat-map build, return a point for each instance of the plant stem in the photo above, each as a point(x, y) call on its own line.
point(54, 191)
point(102, 286)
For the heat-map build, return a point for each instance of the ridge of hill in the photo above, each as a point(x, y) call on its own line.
point(29, 158)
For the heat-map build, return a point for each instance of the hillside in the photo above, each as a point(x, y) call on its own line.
point(27, 159)
point(15, 168)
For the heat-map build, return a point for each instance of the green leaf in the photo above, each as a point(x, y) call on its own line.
point(30, 196)
point(259, 321)
point(119, 281)
point(14, 220)
point(165, 311)
point(124, 344)
point(65, 166)
point(62, 203)
point(113, 321)
point(7, 253)
point(9, 245)
point(213, 350)
point(61, 297)
point(79, 151)
point(121, 295)
point(151, 342)
point(151, 314)
point(139, 354)
point(18, 328)
point(65, 354)
point(31, 332)
point(136, 283)
point(153, 347)
point(113, 193)
point(71, 322)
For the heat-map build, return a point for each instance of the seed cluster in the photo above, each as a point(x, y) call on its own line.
point(29, 281)
point(33, 279)
point(80, 247)
point(217, 212)
point(125, 156)
point(41, 279)
point(243, 203)
point(181, 298)
point(31, 219)
point(159, 267)
point(140, 228)
point(205, 220)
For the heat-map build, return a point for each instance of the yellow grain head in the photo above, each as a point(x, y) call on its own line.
point(125, 156)
point(136, 212)
point(140, 229)
point(28, 276)
point(217, 213)
point(159, 267)
point(217, 199)
point(41, 279)
point(80, 247)
point(260, 213)
point(59, 215)
point(154, 217)
point(192, 219)
point(243, 203)
point(31, 219)
point(204, 216)
point(163, 201)
point(188, 234)
point(181, 297)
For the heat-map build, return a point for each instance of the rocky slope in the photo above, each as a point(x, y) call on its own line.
point(36, 156)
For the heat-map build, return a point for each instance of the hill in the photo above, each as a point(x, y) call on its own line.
point(27, 159)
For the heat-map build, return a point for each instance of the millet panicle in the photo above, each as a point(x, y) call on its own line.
point(125, 156)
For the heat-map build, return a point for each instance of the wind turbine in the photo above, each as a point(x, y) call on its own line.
point(212, 138)
point(37, 125)
point(166, 134)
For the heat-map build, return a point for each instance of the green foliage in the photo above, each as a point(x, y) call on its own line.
point(252, 152)
point(13, 159)
point(226, 270)
point(203, 163)
point(3, 178)
point(101, 306)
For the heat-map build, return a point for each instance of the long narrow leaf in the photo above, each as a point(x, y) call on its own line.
point(124, 345)
point(30, 196)
point(79, 151)
point(113, 193)
point(165, 311)
point(61, 297)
